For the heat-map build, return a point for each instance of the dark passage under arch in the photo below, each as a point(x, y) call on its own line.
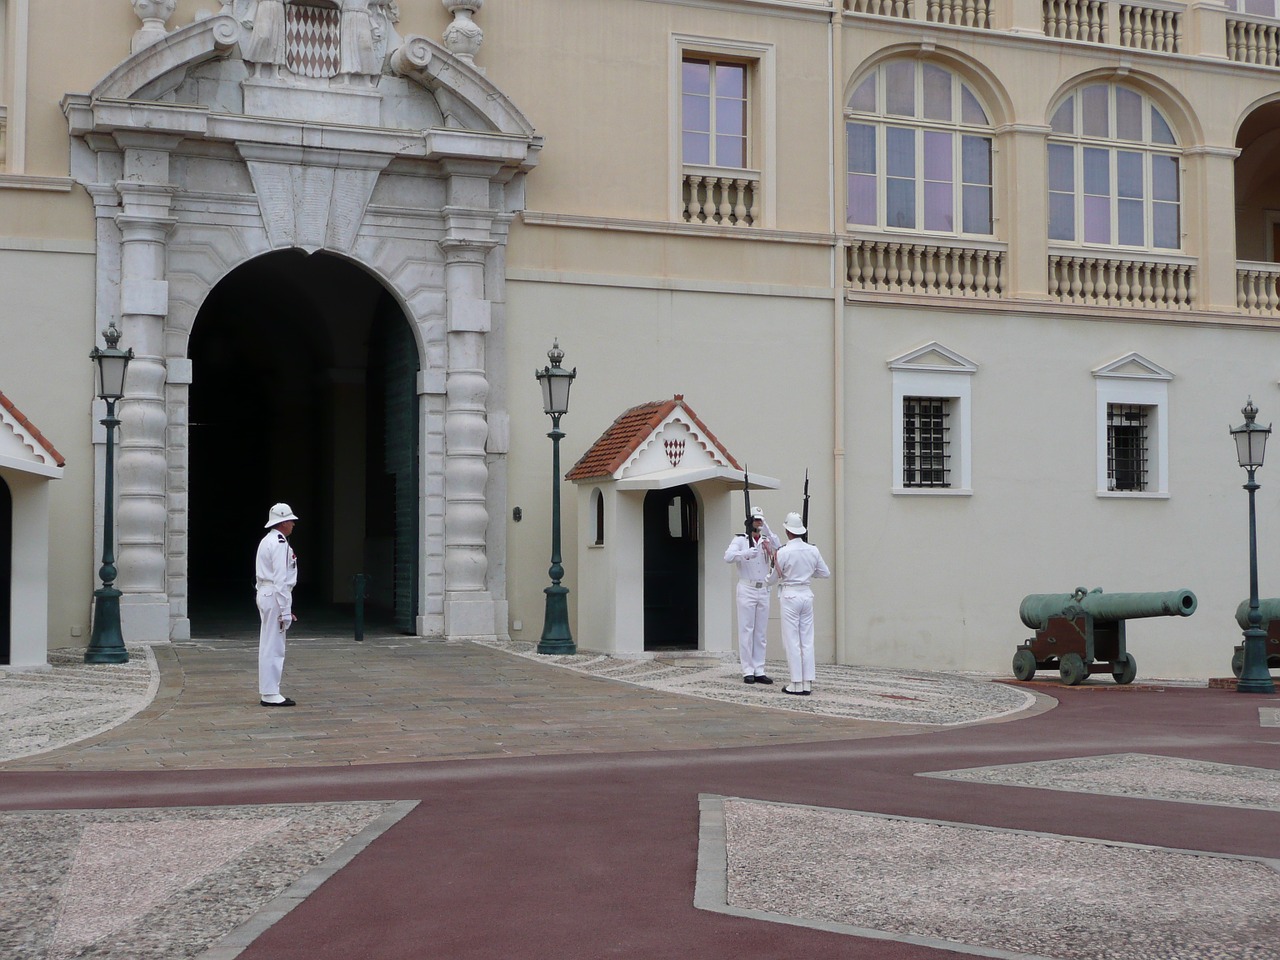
point(304, 390)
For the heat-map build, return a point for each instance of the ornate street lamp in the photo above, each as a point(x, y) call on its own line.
point(106, 644)
point(1251, 445)
point(555, 383)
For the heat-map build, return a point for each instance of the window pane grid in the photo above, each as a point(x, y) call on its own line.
point(1103, 194)
point(926, 442)
point(932, 176)
point(1127, 446)
point(714, 113)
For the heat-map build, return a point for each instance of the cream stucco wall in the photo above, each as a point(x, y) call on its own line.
point(47, 305)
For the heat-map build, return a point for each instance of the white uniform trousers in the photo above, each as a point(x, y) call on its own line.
point(270, 644)
point(797, 631)
point(753, 624)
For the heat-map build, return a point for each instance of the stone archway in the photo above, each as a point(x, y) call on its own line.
point(200, 159)
point(307, 365)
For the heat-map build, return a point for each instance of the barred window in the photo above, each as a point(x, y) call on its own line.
point(926, 442)
point(1127, 425)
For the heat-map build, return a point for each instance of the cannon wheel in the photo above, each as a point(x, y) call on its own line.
point(1072, 669)
point(1124, 669)
point(1024, 664)
point(1237, 662)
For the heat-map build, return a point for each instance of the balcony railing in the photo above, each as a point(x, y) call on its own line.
point(1253, 40)
point(1257, 290)
point(955, 13)
point(1076, 20)
point(927, 269)
point(729, 198)
point(1146, 283)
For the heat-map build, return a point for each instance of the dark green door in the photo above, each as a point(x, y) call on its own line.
point(393, 380)
point(671, 570)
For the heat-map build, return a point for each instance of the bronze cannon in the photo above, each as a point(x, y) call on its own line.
point(1083, 633)
point(1270, 611)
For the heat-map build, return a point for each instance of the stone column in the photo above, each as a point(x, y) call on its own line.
point(469, 607)
point(142, 468)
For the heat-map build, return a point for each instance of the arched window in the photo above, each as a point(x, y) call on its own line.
point(919, 151)
point(597, 502)
point(1113, 171)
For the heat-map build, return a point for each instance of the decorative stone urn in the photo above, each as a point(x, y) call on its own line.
point(464, 36)
point(154, 14)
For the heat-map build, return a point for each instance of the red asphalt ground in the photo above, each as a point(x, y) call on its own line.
point(595, 856)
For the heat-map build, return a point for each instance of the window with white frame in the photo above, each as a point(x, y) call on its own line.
point(1114, 171)
point(722, 130)
point(918, 152)
point(932, 387)
point(1133, 428)
point(713, 115)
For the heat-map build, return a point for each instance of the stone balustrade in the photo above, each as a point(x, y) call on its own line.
point(1146, 283)
point(920, 267)
point(723, 197)
point(1147, 26)
point(1253, 40)
point(1258, 288)
point(1076, 20)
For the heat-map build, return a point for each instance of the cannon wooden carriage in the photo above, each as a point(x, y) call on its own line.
point(1270, 610)
point(1083, 633)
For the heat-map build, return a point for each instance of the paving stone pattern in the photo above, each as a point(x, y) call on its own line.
point(1028, 894)
point(155, 884)
point(1136, 775)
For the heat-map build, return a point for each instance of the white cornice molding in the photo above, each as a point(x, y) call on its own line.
point(823, 10)
point(538, 218)
point(21, 181)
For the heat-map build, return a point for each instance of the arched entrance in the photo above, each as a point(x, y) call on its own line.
point(6, 572)
point(671, 569)
point(304, 390)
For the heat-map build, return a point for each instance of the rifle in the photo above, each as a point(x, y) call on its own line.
point(746, 499)
point(804, 517)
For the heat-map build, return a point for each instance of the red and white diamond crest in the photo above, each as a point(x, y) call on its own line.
point(311, 35)
point(675, 451)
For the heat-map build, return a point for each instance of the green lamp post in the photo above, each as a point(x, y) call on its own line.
point(1251, 445)
point(555, 382)
point(106, 644)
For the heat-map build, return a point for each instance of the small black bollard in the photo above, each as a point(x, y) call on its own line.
point(360, 581)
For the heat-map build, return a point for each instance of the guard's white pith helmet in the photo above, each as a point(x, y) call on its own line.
point(279, 514)
point(794, 524)
point(757, 513)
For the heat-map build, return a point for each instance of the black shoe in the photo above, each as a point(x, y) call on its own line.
point(748, 679)
point(761, 678)
point(797, 693)
point(286, 702)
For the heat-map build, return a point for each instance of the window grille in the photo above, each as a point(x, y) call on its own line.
point(926, 442)
point(1127, 446)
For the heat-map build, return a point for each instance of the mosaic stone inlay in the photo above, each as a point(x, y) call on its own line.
point(159, 883)
point(859, 693)
point(984, 890)
point(1137, 775)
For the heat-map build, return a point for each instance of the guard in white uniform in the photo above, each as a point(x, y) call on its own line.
point(277, 573)
point(797, 563)
point(754, 557)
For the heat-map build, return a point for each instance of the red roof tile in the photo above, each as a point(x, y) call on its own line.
point(626, 433)
point(31, 428)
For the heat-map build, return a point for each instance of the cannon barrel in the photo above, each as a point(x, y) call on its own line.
point(1037, 608)
point(1270, 610)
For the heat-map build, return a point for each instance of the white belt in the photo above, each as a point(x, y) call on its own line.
point(754, 583)
point(265, 583)
point(782, 587)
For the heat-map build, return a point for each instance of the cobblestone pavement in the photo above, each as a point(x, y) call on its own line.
point(894, 815)
point(396, 698)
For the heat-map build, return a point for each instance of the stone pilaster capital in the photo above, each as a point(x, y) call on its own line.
point(466, 249)
point(134, 227)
